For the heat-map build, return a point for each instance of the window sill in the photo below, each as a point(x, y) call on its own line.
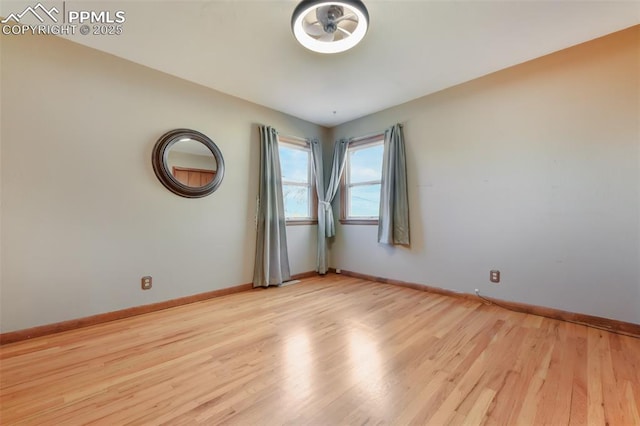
point(296, 222)
point(359, 221)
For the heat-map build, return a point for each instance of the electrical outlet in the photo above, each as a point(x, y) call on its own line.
point(146, 282)
point(494, 276)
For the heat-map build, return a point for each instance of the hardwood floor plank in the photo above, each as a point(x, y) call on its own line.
point(579, 385)
point(632, 402)
point(329, 350)
point(595, 397)
point(479, 409)
point(556, 389)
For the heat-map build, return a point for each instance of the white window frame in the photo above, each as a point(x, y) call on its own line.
point(302, 145)
point(345, 217)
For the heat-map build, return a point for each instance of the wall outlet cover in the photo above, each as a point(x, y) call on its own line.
point(146, 282)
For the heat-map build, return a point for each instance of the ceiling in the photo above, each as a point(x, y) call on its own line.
point(245, 48)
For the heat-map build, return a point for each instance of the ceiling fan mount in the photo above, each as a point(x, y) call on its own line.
point(328, 15)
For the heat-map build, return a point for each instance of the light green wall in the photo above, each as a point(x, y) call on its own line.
point(533, 170)
point(83, 215)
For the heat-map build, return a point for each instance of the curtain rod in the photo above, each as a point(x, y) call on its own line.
point(361, 138)
point(370, 135)
point(297, 138)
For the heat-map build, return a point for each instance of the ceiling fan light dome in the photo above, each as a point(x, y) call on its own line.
point(351, 7)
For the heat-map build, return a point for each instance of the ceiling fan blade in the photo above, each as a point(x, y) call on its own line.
point(314, 29)
point(349, 17)
point(327, 37)
point(344, 31)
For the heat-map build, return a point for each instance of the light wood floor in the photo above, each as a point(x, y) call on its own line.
point(328, 351)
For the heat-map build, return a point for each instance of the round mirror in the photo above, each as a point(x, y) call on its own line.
point(188, 163)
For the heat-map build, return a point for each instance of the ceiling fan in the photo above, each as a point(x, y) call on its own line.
point(330, 22)
point(330, 27)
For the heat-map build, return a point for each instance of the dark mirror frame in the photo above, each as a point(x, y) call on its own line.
point(161, 168)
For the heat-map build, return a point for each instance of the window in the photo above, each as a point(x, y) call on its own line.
point(300, 201)
point(360, 195)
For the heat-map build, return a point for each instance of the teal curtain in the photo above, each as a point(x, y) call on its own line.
point(393, 225)
point(272, 258)
point(326, 224)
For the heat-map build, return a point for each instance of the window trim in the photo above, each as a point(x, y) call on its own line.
point(313, 196)
point(356, 143)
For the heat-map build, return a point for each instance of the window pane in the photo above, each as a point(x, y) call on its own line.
point(294, 164)
point(364, 201)
point(296, 201)
point(365, 164)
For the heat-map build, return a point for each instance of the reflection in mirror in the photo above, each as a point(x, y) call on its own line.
point(191, 163)
point(188, 163)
